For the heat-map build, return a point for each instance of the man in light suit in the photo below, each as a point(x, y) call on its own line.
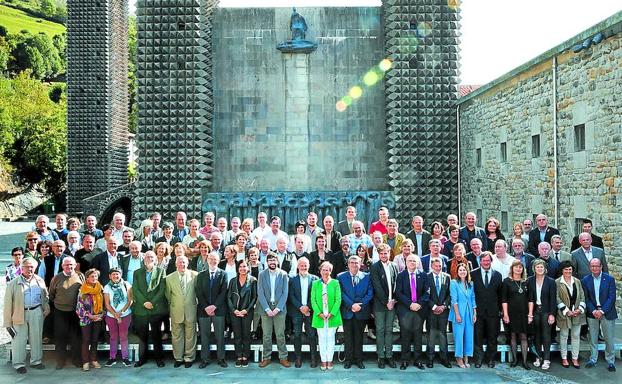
point(299, 309)
point(600, 298)
point(272, 291)
point(383, 275)
point(181, 296)
point(585, 254)
point(356, 296)
point(559, 255)
point(345, 226)
point(542, 232)
point(211, 291)
point(440, 300)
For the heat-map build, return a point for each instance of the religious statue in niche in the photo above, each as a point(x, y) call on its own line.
point(297, 44)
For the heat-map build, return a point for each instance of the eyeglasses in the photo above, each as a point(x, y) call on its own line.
point(33, 239)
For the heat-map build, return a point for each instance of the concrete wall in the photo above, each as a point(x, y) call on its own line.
point(275, 122)
point(519, 106)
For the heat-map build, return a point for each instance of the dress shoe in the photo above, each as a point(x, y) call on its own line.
point(526, 365)
point(514, 363)
point(222, 363)
point(204, 363)
point(576, 365)
point(347, 365)
point(404, 365)
point(360, 364)
point(21, 370)
point(159, 363)
point(188, 364)
point(611, 368)
point(391, 363)
point(264, 363)
point(381, 363)
point(478, 365)
point(446, 364)
point(313, 363)
point(60, 365)
point(38, 366)
point(330, 365)
point(298, 363)
point(139, 363)
point(430, 365)
point(491, 364)
point(419, 365)
point(178, 364)
point(244, 362)
point(590, 364)
point(285, 363)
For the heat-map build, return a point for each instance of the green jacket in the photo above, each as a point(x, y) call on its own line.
point(333, 291)
point(156, 297)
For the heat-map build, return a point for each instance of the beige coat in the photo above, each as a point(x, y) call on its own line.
point(563, 300)
point(14, 301)
point(182, 307)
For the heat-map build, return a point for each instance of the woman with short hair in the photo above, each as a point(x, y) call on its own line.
point(118, 301)
point(90, 311)
point(326, 303)
point(570, 313)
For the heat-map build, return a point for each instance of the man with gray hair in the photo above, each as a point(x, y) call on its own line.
point(358, 237)
point(25, 306)
point(73, 243)
point(552, 265)
point(118, 226)
point(586, 253)
point(559, 255)
point(299, 310)
point(132, 262)
point(43, 230)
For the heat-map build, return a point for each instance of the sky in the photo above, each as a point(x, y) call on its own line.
point(497, 35)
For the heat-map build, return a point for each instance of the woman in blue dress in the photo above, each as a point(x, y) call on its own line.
point(463, 314)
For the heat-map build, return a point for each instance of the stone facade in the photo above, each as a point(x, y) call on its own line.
point(573, 94)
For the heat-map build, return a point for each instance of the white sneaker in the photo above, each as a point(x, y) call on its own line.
point(86, 367)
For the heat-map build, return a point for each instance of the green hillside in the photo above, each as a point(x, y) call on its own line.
point(15, 20)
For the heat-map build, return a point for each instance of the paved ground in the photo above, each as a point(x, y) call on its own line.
point(12, 235)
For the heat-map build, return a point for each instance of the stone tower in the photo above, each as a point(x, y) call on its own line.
point(421, 39)
point(97, 99)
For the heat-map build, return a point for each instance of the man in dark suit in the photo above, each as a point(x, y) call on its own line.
point(211, 291)
point(552, 265)
point(542, 232)
point(600, 298)
point(332, 236)
point(585, 254)
point(419, 236)
point(167, 235)
point(518, 251)
point(383, 275)
point(345, 226)
point(487, 287)
point(597, 241)
point(338, 259)
point(356, 296)
point(435, 252)
point(299, 310)
point(107, 260)
point(476, 252)
point(470, 231)
point(440, 300)
point(412, 310)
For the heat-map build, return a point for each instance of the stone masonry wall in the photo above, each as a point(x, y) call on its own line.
point(515, 110)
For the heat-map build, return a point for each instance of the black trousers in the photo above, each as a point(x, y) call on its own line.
point(486, 330)
point(411, 333)
point(542, 334)
point(141, 326)
point(309, 331)
point(437, 329)
point(67, 328)
point(242, 334)
point(353, 344)
point(90, 338)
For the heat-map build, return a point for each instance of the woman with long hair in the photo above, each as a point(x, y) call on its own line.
point(326, 303)
point(90, 311)
point(199, 263)
point(542, 311)
point(363, 253)
point(570, 314)
point(493, 232)
point(514, 302)
point(241, 299)
point(462, 314)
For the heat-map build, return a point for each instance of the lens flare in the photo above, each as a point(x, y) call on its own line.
point(347, 100)
point(424, 29)
point(385, 65)
point(355, 92)
point(453, 4)
point(341, 106)
point(371, 78)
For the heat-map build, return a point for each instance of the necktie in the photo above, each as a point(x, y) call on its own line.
point(182, 282)
point(438, 286)
point(557, 256)
point(354, 281)
point(413, 287)
point(486, 280)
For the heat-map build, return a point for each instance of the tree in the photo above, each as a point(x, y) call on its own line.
point(131, 72)
point(5, 54)
point(47, 7)
point(34, 60)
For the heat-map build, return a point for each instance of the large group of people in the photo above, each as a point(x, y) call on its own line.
point(183, 282)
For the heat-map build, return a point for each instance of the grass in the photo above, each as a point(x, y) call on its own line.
point(15, 21)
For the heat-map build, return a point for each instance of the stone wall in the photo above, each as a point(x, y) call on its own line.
point(520, 106)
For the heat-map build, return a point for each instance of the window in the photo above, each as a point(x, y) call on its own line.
point(579, 137)
point(578, 225)
point(478, 157)
point(535, 146)
point(504, 152)
point(504, 221)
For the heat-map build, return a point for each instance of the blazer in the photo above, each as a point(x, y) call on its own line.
point(607, 295)
point(425, 262)
point(100, 262)
point(162, 239)
point(565, 256)
point(295, 295)
point(211, 293)
point(403, 293)
point(443, 297)
point(528, 261)
point(342, 227)
point(552, 268)
point(243, 298)
point(362, 293)
point(339, 262)
point(183, 308)
point(49, 261)
point(488, 300)
point(563, 303)
point(425, 241)
point(480, 233)
point(280, 290)
point(534, 238)
point(157, 296)
point(548, 295)
point(597, 241)
point(314, 261)
point(335, 237)
point(125, 263)
point(14, 300)
point(583, 266)
point(333, 298)
point(397, 246)
point(381, 283)
point(465, 298)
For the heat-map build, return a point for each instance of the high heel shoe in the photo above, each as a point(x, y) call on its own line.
point(565, 363)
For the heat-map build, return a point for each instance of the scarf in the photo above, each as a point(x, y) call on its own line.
point(118, 296)
point(156, 276)
point(96, 294)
